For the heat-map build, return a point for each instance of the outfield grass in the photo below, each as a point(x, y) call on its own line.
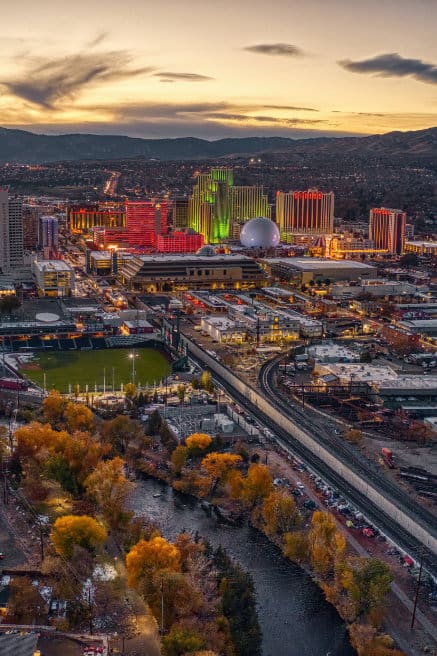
point(62, 368)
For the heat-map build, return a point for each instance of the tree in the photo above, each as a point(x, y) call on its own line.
point(181, 392)
point(154, 423)
point(149, 556)
point(121, 431)
point(81, 530)
point(182, 641)
point(206, 381)
point(9, 303)
point(369, 585)
point(218, 465)
point(130, 391)
point(197, 442)
point(296, 546)
point(109, 488)
point(409, 260)
point(78, 417)
point(354, 436)
point(195, 383)
point(257, 485)
point(168, 438)
point(279, 513)
point(179, 458)
point(53, 407)
point(326, 544)
point(366, 357)
point(25, 602)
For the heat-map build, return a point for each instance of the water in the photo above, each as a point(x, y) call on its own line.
point(294, 616)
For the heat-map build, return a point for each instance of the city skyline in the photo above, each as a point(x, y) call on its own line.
point(198, 69)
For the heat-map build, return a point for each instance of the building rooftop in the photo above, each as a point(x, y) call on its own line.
point(190, 257)
point(364, 373)
point(52, 265)
point(314, 263)
point(422, 244)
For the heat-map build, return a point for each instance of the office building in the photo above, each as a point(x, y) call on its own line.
point(145, 220)
point(11, 232)
point(387, 229)
point(53, 277)
point(303, 212)
point(83, 218)
point(48, 236)
point(31, 215)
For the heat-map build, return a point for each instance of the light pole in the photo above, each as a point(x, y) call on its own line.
point(132, 356)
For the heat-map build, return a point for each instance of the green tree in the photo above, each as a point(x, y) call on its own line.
point(371, 580)
point(154, 423)
point(182, 641)
point(409, 260)
point(181, 392)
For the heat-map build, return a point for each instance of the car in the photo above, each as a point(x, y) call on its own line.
point(300, 485)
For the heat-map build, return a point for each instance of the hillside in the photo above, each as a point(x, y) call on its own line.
point(26, 147)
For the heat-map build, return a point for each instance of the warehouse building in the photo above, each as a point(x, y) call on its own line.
point(304, 270)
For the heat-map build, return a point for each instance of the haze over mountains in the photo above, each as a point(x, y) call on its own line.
point(19, 146)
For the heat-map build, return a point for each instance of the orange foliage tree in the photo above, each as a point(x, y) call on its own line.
point(257, 485)
point(197, 442)
point(149, 556)
point(279, 513)
point(81, 530)
point(78, 417)
point(53, 407)
point(327, 546)
point(109, 488)
point(218, 465)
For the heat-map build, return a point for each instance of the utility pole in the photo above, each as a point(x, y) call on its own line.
point(416, 596)
point(41, 542)
point(90, 606)
point(162, 605)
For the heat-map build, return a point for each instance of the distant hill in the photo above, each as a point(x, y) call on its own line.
point(26, 147)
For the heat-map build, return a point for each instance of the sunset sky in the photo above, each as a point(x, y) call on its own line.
point(220, 68)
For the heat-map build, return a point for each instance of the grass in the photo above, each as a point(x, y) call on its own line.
point(87, 368)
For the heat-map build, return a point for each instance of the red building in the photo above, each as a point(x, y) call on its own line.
point(179, 242)
point(145, 220)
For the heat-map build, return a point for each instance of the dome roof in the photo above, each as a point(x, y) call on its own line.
point(206, 251)
point(259, 233)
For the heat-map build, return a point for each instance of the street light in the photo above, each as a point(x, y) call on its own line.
point(132, 356)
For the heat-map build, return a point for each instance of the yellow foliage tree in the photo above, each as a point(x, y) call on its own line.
point(80, 530)
point(235, 484)
point(218, 465)
point(257, 484)
point(198, 442)
point(149, 556)
point(279, 513)
point(34, 441)
point(53, 407)
point(327, 545)
point(78, 417)
point(296, 546)
point(109, 488)
point(179, 458)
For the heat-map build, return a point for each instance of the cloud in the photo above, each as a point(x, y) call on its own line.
point(168, 76)
point(393, 65)
point(291, 108)
point(47, 82)
point(275, 49)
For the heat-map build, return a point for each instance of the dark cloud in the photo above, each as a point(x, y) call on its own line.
point(168, 76)
point(275, 49)
point(291, 108)
point(394, 65)
point(46, 82)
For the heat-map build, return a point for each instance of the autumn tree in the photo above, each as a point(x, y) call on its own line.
point(130, 391)
point(35, 441)
point(354, 436)
point(109, 488)
point(326, 544)
point(179, 458)
point(296, 546)
point(78, 417)
point(25, 602)
point(81, 530)
point(197, 442)
point(150, 556)
point(218, 466)
point(181, 641)
point(279, 513)
point(257, 484)
point(369, 584)
point(120, 432)
point(206, 381)
point(53, 407)
point(181, 392)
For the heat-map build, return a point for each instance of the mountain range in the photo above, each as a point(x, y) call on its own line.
point(19, 146)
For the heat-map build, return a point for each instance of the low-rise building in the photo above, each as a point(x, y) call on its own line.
point(313, 269)
point(53, 277)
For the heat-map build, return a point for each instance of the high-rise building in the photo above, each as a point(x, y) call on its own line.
point(145, 220)
point(31, 215)
point(11, 232)
point(83, 218)
point(48, 236)
point(387, 229)
point(216, 204)
point(179, 242)
point(300, 212)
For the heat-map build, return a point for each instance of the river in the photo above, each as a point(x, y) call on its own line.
point(294, 616)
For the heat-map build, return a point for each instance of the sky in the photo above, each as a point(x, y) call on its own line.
point(218, 68)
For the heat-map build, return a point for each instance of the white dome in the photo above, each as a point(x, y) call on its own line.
point(259, 233)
